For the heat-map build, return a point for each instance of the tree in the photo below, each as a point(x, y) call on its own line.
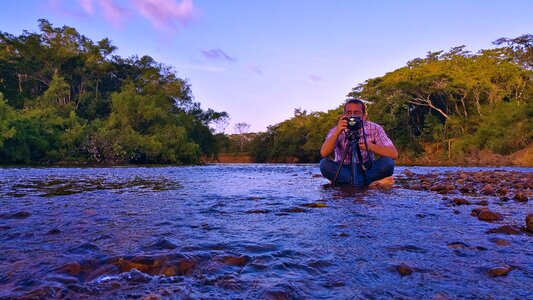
point(242, 129)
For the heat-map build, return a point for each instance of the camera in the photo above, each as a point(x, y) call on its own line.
point(354, 123)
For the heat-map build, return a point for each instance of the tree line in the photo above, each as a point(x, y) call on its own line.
point(456, 101)
point(65, 98)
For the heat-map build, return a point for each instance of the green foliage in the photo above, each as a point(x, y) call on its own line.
point(7, 116)
point(471, 101)
point(70, 99)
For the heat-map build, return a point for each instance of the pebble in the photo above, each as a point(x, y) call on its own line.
point(489, 216)
point(499, 271)
point(488, 189)
point(506, 229)
point(404, 269)
point(520, 197)
point(461, 201)
point(529, 222)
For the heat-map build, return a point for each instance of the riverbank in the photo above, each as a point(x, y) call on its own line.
point(522, 158)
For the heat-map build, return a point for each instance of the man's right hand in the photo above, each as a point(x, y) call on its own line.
point(341, 124)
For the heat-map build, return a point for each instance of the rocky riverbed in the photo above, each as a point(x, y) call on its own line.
point(485, 191)
point(263, 231)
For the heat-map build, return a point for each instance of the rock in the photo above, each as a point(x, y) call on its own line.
point(409, 173)
point(483, 203)
point(476, 211)
point(314, 204)
point(506, 229)
point(405, 269)
point(461, 201)
point(503, 191)
point(500, 242)
point(488, 189)
point(463, 175)
point(529, 222)
point(489, 216)
point(499, 271)
point(438, 187)
point(520, 197)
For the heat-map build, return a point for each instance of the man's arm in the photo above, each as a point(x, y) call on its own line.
point(388, 151)
point(329, 144)
point(382, 145)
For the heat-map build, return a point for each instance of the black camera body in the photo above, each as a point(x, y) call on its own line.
point(354, 123)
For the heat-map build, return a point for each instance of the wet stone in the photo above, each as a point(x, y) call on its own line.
point(506, 229)
point(404, 269)
point(500, 242)
point(461, 201)
point(488, 189)
point(482, 203)
point(520, 197)
point(529, 222)
point(489, 216)
point(314, 204)
point(499, 271)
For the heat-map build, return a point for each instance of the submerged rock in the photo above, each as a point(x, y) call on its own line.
point(461, 201)
point(404, 269)
point(499, 271)
point(488, 189)
point(489, 216)
point(506, 229)
point(520, 197)
point(529, 222)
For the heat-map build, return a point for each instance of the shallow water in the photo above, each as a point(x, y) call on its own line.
point(246, 231)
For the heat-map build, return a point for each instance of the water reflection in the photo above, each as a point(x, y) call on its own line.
point(246, 231)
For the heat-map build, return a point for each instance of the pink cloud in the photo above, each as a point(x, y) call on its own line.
point(113, 13)
point(315, 77)
point(87, 6)
point(166, 15)
point(163, 14)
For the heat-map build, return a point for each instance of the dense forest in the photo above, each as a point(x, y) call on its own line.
point(449, 106)
point(65, 98)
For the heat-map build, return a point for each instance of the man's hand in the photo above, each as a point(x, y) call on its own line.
point(341, 124)
point(363, 147)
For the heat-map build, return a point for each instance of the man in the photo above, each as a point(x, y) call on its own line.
point(377, 140)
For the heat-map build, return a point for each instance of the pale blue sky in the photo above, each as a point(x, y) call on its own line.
point(259, 60)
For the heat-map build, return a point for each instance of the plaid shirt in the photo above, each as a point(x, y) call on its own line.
point(374, 134)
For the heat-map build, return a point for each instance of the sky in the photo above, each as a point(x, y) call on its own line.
point(259, 60)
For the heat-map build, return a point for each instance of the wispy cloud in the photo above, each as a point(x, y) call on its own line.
point(164, 15)
point(315, 77)
point(254, 69)
point(217, 54)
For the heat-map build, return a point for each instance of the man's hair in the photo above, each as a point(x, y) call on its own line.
point(356, 101)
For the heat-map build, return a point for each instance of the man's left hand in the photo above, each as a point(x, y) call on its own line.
point(363, 147)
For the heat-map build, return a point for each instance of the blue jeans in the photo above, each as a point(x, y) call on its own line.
point(381, 168)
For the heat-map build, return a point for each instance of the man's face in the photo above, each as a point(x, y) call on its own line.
point(354, 109)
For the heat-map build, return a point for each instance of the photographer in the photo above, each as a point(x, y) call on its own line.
point(378, 172)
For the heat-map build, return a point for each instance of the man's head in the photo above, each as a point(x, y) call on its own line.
point(355, 107)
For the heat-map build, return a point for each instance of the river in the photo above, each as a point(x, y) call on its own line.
point(254, 231)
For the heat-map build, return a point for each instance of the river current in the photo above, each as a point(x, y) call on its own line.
point(246, 231)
